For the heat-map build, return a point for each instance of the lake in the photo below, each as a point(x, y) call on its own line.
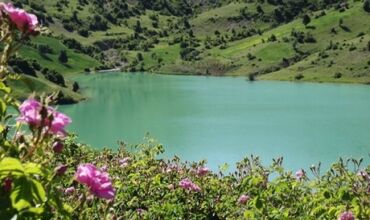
point(224, 119)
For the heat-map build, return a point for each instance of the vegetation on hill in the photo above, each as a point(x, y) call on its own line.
point(261, 39)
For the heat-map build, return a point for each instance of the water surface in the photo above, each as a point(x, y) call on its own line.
point(224, 119)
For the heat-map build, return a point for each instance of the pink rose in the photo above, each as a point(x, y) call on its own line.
point(243, 199)
point(60, 170)
point(299, 174)
point(98, 182)
point(124, 162)
point(348, 215)
point(24, 21)
point(59, 122)
point(30, 113)
point(202, 171)
point(58, 147)
point(69, 190)
point(189, 185)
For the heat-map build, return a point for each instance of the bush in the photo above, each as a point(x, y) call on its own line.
point(306, 20)
point(75, 87)
point(44, 49)
point(309, 38)
point(189, 54)
point(63, 57)
point(250, 56)
point(139, 57)
point(298, 76)
point(367, 6)
point(53, 76)
point(22, 66)
point(337, 75)
point(272, 38)
point(83, 32)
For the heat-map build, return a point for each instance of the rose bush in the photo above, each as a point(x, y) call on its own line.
point(46, 174)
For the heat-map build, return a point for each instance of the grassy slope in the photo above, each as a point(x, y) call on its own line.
point(270, 54)
point(26, 85)
point(233, 60)
point(218, 19)
point(353, 65)
point(76, 64)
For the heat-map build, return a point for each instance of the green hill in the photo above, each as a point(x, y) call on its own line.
point(257, 39)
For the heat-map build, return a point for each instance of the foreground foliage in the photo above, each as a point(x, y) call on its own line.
point(46, 174)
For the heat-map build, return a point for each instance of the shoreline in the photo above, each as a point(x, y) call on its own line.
point(118, 70)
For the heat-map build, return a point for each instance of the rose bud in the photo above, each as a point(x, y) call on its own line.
point(58, 147)
point(60, 170)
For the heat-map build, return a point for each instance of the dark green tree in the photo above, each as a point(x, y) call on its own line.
point(63, 57)
point(367, 5)
point(137, 27)
point(139, 57)
point(306, 20)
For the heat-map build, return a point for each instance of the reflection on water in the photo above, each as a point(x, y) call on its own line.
point(223, 119)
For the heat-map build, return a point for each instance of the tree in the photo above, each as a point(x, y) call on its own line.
point(306, 20)
point(63, 57)
point(368, 46)
point(341, 22)
point(139, 57)
point(367, 5)
point(137, 27)
point(260, 10)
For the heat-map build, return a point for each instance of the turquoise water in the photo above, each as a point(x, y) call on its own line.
point(224, 119)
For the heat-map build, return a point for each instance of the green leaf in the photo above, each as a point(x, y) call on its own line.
point(258, 203)
point(27, 193)
point(67, 208)
point(33, 168)
point(326, 194)
point(21, 196)
point(38, 191)
point(2, 106)
point(10, 165)
point(344, 194)
point(36, 211)
point(4, 88)
point(249, 214)
point(157, 179)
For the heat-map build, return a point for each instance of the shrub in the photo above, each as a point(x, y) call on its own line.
point(309, 38)
point(53, 76)
point(306, 20)
point(83, 32)
point(337, 75)
point(75, 87)
point(299, 76)
point(250, 56)
point(63, 57)
point(22, 66)
point(44, 49)
point(139, 57)
point(272, 38)
point(367, 5)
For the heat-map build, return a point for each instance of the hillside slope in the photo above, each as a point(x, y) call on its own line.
point(280, 40)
